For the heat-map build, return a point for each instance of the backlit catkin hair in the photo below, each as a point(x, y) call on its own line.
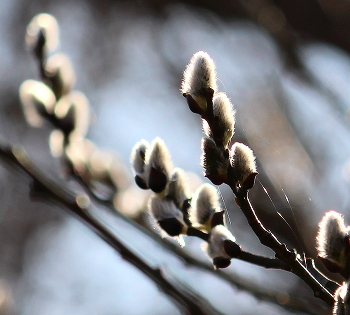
point(158, 165)
point(47, 25)
point(331, 238)
point(242, 161)
point(199, 76)
point(224, 120)
point(204, 203)
point(138, 154)
point(37, 100)
point(160, 209)
point(215, 248)
point(213, 161)
point(178, 189)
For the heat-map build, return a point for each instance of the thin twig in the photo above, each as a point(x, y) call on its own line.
point(77, 205)
point(294, 304)
point(287, 255)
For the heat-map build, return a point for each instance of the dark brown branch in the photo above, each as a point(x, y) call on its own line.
point(265, 262)
point(78, 205)
point(61, 194)
point(285, 254)
point(262, 261)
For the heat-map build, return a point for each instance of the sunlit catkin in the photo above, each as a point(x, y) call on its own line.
point(167, 215)
point(222, 126)
point(42, 34)
point(213, 161)
point(60, 71)
point(242, 162)
point(204, 204)
point(332, 244)
point(137, 160)
point(158, 165)
point(199, 76)
point(38, 101)
point(73, 113)
point(178, 189)
point(215, 248)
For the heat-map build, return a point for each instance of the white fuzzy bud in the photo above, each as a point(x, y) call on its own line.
point(167, 215)
point(221, 247)
point(158, 165)
point(213, 161)
point(242, 161)
point(223, 124)
point(73, 112)
point(204, 203)
point(341, 300)
point(178, 189)
point(137, 160)
point(161, 209)
point(37, 100)
point(199, 76)
point(47, 25)
point(61, 73)
point(331, 239)
point(138, 155)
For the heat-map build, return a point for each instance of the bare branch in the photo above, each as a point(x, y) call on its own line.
point(78, 205)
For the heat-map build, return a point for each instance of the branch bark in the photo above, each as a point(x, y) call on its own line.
point(78, 205)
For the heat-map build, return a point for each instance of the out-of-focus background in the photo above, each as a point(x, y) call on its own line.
point(284, 64)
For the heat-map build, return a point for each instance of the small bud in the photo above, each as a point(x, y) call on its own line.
point(78, 154)
point(199, 79)
point(56, 142)
point(158, 166)
point(137, 160)
point(60, 71)
point(221, 127)
point(38, 101)
point(107, 173)
point(333, 242)
point(243, 167)
point(221, 240)
point(214, 162)
point(204, 204)
point(73, 113)
point(178, 190)
point(42, 34)
point(167, 215)
point(221, 262)
point(341, 300)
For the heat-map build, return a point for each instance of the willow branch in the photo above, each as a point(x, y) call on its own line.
point(287, 255)
point(78, 205)
point(295, 304)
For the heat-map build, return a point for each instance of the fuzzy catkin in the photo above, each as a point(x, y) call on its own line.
point(242, 161)
point(37, 100)
point(224, 116)
point(138, 154)
point(73, 111)
point(205, 202)
point(199, 75)
point(47, 24)
point(341, 300)
point(215, 247)
point(330, 238)
point(213, 160)
point(178, 189)
point(158, 157)
point(161, 209)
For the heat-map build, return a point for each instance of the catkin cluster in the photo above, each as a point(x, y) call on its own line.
point(222, 163)
point(53, 101)
point(333, 246)
point(175, 209)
